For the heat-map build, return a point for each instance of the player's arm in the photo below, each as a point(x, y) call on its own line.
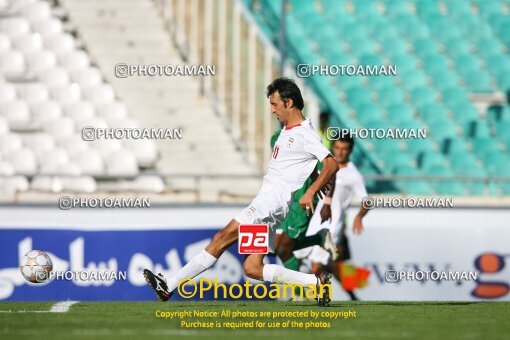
point(326, 189)
point(357, 224)
point(326, 207)
point(329, 169)
point(359, 191)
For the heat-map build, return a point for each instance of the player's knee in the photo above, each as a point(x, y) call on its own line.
point(253, 270)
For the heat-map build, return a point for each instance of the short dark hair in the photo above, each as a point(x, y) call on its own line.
point(287, 89)
point(346, 139)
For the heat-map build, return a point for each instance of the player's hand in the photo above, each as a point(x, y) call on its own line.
point(357, 225)
point(325, 213)
point(306, 202)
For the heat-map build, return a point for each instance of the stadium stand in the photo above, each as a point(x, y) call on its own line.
point(446, 52)
point(57, 61)
point(57, 76)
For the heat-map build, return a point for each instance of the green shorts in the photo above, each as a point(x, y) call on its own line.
point(296, 222)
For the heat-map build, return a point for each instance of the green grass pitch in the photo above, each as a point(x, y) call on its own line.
point(137, 320)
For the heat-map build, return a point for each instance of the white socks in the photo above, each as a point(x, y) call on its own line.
point(280, 274)
point(270, 272)
point(199, 264)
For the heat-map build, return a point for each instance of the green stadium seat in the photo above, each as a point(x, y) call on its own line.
point(464, 113)
point(416, 33)
point(441, 28)
point(358, 96)
point(391, 95)
point(399, 111)
point(502, 128)
point(275, 7)
point(476, 128)
point(334, 9)
point(404, 122)
point(488, 8)
point(497, 115)
point(478, 81)
point(413, 79)
point(467, 63)
point(433, 110)
point(506, 141)
point(417, 146)
point(303, 8)
point(427, 7)
point(458, 159)
point(371, 59)
point(476, 188)
point(444, 79)
point(373, 123)
point(504, 81)
point(457, 47)
point(379, 83)
point(366, 8)
point(467, 167)
point(425, 47)
point(423, 95)
point(362, 46)
point(395, 8)
point(435, 62)
point(454, 97)
point(441, 128)
point(326, 37)
point(348, 83)
point(458, 9)
point(399, 160)
point(407, 171)
point(416, 187)
point(450, 188)
point(405, 63)
point(393, 47)
point(383, 31)
point(410, 26)
point(440, 171)
point(498, 63)
point(497, 164)
point(454, 145)
point(443, 51)
point(389, 147)
point(428, 160)
point(483, 145)
point(489, 46)
point(369, 111)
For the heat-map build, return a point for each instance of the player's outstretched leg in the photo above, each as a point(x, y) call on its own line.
point(201, 262)
point(255, 268)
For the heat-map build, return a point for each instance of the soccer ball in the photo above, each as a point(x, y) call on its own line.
point(36, 266)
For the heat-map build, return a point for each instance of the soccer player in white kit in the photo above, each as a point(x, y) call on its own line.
point(295, 155)
point(331, 211)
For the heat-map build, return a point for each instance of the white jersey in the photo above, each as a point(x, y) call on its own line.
point(349, 186)
point(295, 155)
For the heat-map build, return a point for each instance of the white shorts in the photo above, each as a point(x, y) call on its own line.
point(315, 254)
point(266, 208)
